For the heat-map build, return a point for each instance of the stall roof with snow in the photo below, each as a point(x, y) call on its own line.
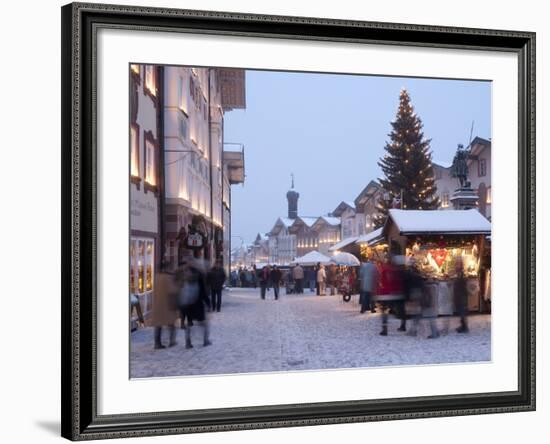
point(370, 238)
point(312, 258)
point(439, 222)
point(343, 243)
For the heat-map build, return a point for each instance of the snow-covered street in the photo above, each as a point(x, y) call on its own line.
point(302, 332)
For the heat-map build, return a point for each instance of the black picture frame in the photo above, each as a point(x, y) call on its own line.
point(80, 22)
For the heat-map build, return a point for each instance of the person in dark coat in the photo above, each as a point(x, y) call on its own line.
point(460, 295)
point(193, 297)
point(276, 277)
point(216, 279)
point(264, 280)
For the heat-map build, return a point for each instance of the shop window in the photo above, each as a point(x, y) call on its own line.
point(489, 198)
point(142, 255)
point(445, 200)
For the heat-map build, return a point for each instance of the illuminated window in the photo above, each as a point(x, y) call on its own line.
point(150, 163)
point(142, 260)
point(489, 197)
point(445, 200)
point(150, 80)
point(134, 150)
point(135, 69)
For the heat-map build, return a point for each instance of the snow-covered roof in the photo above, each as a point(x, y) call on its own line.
point(343, 206)
point(435, 221)
point(309, 221)
point(312, 258)
point(369, 237)
point(286, 221)
point(343, 243)
point(331, 220)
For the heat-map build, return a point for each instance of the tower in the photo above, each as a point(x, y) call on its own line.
point(292, 197)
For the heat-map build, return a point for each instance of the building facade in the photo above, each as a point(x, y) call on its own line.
point(199, 173)
point(479, 175)
point(146, 178)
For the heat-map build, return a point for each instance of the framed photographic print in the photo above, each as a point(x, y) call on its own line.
point(278, 221)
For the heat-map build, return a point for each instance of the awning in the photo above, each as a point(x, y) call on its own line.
point(371, 238)
point(343, 243)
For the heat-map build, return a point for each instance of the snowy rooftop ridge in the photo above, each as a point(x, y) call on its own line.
point(343, 243)
point(369, 237)
point(331, 220)
point(436, 221)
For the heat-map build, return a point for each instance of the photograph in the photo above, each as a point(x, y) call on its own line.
point(294, 221)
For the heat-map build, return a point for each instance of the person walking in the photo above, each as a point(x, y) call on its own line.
point(298, 276)
point(193, 297)
point(311, 278)
point(216, 279)
point(164, 307)
point(264, 280)
point(368, 275)
point(321, 280)
point(275, 277)
point(460, 295)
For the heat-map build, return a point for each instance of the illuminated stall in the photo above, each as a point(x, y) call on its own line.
point(436, 240)
point(373, 245)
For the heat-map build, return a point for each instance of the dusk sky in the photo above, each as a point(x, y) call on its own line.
point(330, 130)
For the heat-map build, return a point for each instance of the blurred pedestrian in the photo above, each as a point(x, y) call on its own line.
point(242, 277)
point(193, 297)
point(164, 307)
point(312, 278)
point(234, 278)
point(216, 279)
point(321, 280)
point(391, 286)
point(275, 278)
point(331, 276)
point(368, 275)
point(264, 280)
point(254, 276)
point(298, 276)
point(460, 295)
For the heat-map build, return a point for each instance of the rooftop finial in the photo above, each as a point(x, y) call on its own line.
point(292, 176)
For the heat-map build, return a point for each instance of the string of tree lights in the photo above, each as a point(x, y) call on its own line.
point(408, 181)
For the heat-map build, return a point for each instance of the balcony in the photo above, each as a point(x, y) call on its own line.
point(234, 161)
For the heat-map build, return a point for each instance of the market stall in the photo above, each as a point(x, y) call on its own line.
point(438, 242)
point(373, 245)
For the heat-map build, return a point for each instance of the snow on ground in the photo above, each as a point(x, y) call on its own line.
point(302, 332)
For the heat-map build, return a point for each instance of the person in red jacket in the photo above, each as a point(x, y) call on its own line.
point(391, 284)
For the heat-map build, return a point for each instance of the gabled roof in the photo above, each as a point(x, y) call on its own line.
point(438, 222)
point(343, 206)
point(326, 220)
point(307, 220)
point(478, 145)
point(280, 223)
point(367, 192)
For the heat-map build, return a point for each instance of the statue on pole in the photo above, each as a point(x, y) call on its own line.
point(459, 168)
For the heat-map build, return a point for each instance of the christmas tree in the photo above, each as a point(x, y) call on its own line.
point(407, 165)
